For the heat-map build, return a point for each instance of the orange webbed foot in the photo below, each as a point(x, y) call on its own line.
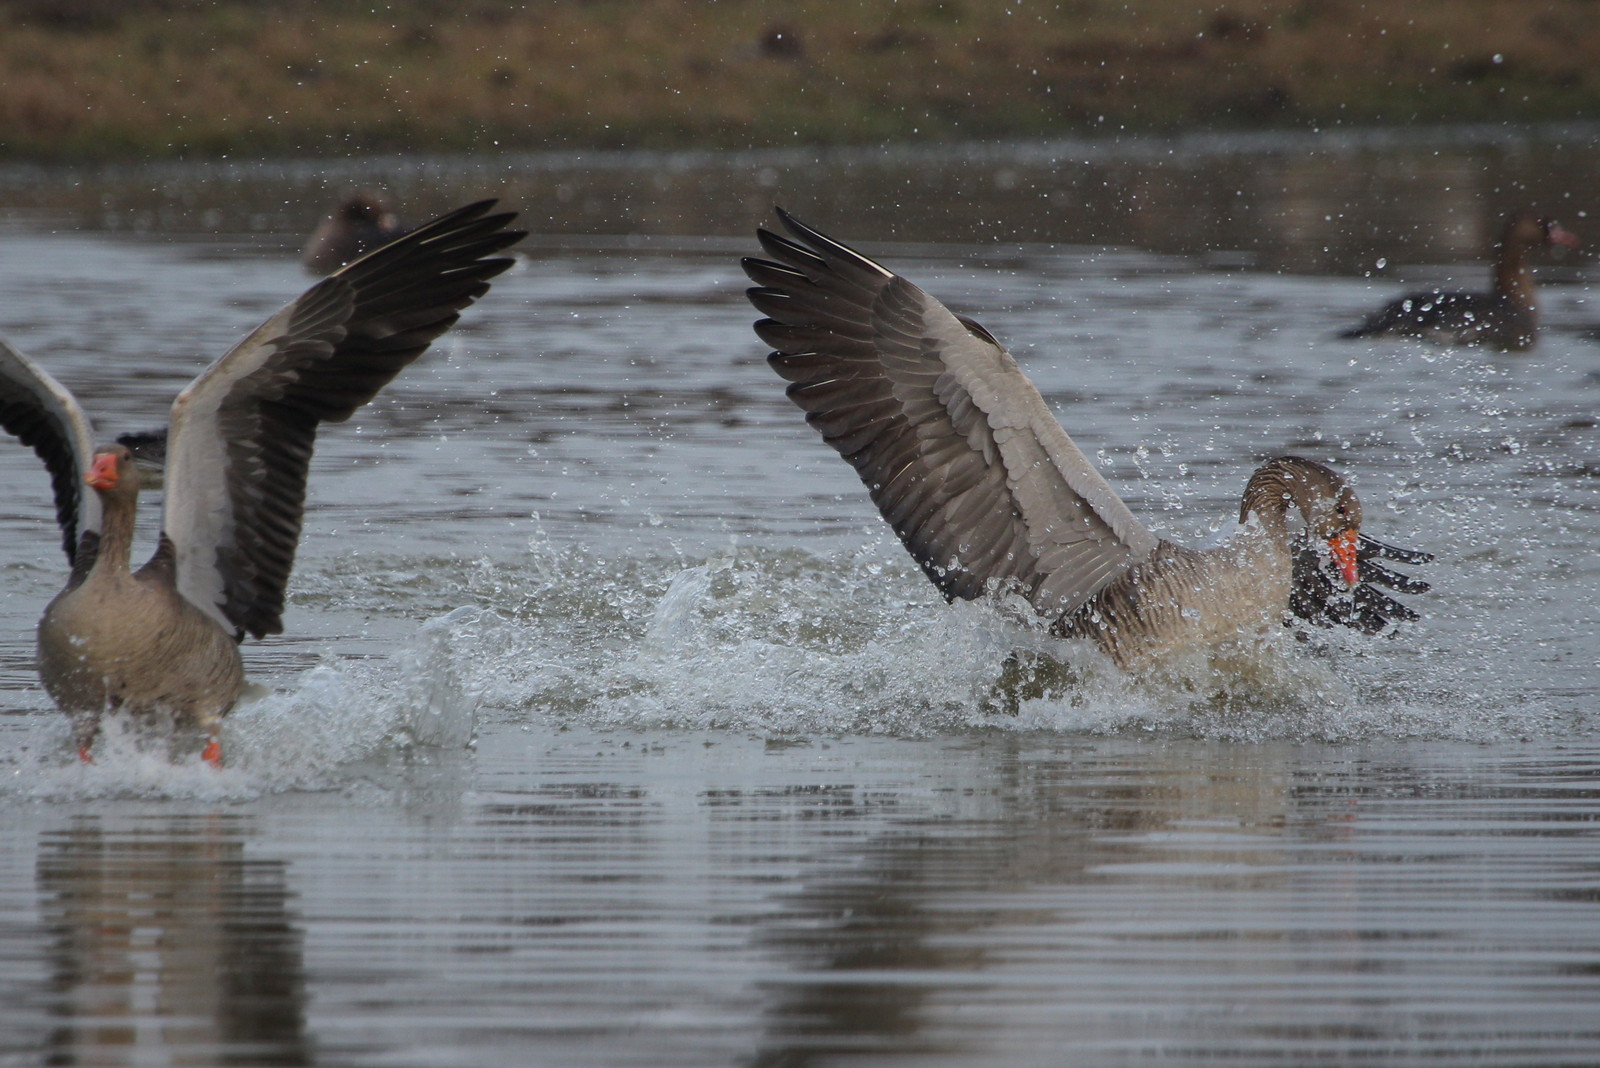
point(83, 755)
point(212, 754)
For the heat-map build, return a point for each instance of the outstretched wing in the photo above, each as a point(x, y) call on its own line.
point(43, 415)
point(956, 446)
point(242, 432)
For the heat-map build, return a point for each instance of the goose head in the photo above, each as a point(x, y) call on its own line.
point(1327, 505)
point(113, 474)
point(1529, 229)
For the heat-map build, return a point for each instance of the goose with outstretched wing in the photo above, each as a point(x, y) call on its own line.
point(987, 491)
point(164, 638)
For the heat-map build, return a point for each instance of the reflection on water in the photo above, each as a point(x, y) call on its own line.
point(1295, 915)
point(937, 913)
point(169, 945)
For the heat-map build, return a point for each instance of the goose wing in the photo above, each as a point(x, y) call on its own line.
point(956, 446)
point(1317, 597)
point(43, 415)
point(241, 434)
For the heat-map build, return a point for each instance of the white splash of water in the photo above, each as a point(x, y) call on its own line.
point(767, 644)
point(777, 643)
point(306, 737)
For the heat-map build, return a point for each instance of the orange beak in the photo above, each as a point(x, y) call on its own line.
point(1344, 554)
point(103, 472)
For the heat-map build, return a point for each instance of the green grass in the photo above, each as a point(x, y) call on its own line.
point(93, 80)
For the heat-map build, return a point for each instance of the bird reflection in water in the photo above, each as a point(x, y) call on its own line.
point(170, 945)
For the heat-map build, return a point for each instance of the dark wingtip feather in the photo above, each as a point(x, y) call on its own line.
point(386, 308)
point(790, 253)
point(818, 247)
point(1394, 552)
point(1374, 572)
point(814, 238)
point(1318, 597)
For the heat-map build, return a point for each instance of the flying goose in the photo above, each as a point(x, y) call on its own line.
point(1506, 317)
point(164, 638)
point(986, 490)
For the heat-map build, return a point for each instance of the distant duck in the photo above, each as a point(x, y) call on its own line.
point(1505, 317)
point(355, 228)
point(988, 492)
point(162, 641)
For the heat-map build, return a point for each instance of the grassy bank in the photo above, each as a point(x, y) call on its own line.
point(108, 79)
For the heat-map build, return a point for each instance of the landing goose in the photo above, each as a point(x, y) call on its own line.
point(987, 491)
point(164, 639)
point(1506, 317)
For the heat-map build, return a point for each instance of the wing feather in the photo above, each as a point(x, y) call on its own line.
point(46, 417)
point(1317, 597)
point(955, 445)
point(242, 433)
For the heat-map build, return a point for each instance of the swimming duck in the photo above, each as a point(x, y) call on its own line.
point(1506, 317)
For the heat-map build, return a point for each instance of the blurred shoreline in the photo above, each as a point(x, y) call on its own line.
point(146, 80)
point(1343, 202)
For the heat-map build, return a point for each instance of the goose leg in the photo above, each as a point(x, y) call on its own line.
point(212, 753)
point(85, 729)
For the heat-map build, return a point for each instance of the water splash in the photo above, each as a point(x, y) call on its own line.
point(685, 594)
point(779, 643)
point(309, 736)
point(789, 644)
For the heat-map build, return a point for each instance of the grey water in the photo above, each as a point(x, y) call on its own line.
point(612, 727)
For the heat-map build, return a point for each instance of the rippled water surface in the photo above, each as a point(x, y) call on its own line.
point(612, 727)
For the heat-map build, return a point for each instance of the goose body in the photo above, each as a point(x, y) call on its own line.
point(987, 491)
point(1505, 317)
point(163, 639)
point(119, 639)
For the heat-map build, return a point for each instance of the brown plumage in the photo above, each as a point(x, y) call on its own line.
point(117, 639)
point(1506, 317)
point(163, 639)
point(987, 491)
point(1178, 596)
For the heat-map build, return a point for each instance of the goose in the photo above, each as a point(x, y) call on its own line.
point(1506, 317)
point(354, 228)
point(988, 492)
point(163, 640)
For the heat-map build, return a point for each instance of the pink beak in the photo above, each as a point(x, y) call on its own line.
point(103, 472)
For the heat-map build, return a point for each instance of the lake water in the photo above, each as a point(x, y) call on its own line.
point(612, 727)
